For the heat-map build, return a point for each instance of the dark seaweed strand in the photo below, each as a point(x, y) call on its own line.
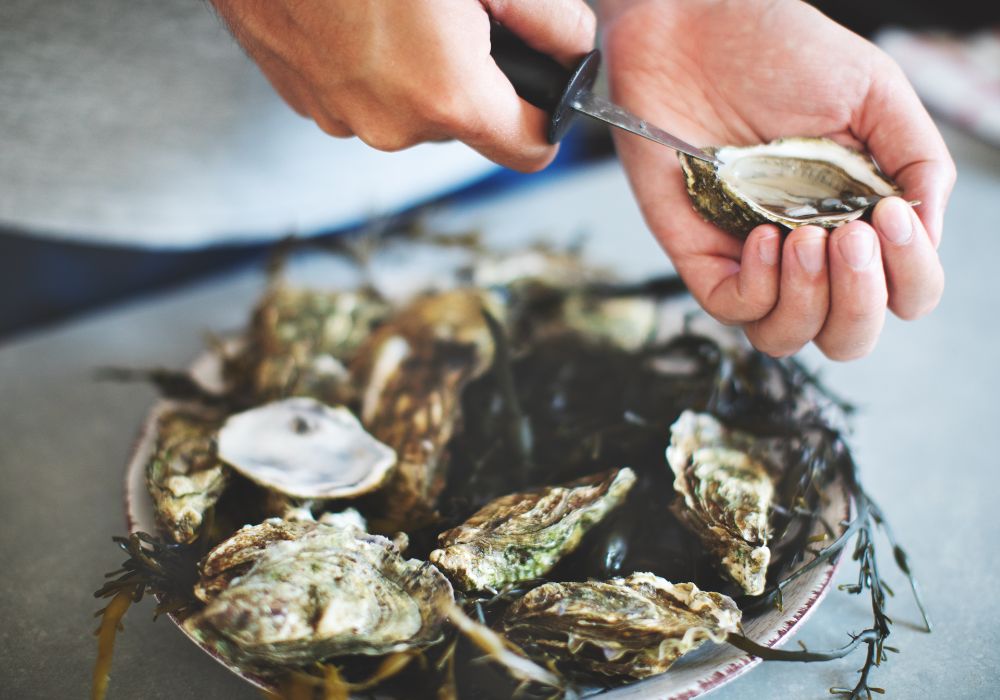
point(863, 529)
point(167, 570)
point(736, 392)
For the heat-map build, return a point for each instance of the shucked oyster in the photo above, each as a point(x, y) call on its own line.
point(184, 476)
point(413, 370)
point(791, 182)
point(301, 448)
point(726, 495)
point(626, 627)
point(330, 591)
point(523, 535)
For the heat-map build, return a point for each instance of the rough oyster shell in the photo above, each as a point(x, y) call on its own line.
point(300, 340)
point(301, 448)
point(184, 476)
point(791, 182)
point(330, 591)
point(727, 495)
point(413, 370)
point(626, 627)
point(521, 536)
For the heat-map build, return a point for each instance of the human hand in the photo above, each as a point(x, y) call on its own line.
point(399, 73)
point(747, 71)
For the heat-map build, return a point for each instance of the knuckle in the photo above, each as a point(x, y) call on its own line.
point(450, 114)
point(769, 347)
point(388, 140)
point(331, 126)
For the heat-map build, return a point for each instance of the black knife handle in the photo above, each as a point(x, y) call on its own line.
point(540, 80)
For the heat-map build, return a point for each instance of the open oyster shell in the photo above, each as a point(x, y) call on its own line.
point(184, 476)
point(301, 448)
point(727, 495)
point(626, 627)
point(317, 591)
point(521, 536)
point(791, 182)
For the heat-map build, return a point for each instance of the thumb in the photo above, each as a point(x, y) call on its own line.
point(563, 29)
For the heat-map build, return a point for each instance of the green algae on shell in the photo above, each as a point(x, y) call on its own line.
point(327, 591)
point(521, 536)
point(726, 496)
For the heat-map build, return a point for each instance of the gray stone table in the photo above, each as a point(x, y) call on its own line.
point(925, 438)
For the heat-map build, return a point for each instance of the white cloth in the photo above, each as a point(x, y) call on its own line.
point(957, 77)
point(141, 122)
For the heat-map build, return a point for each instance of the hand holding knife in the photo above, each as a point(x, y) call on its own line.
point(541, 81)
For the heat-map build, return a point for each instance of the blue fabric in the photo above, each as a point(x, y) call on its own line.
point(43, 281)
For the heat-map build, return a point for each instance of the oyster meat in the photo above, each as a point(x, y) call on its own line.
point(184, 476)
point(791, 182)
point(299, 447)
point(726, 495)
point(627, 627)
point(328, 591)
point(413, 370)
point(521, 536)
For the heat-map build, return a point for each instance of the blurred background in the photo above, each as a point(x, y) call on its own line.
point(139, 149)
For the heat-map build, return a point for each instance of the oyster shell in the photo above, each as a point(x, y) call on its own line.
point(521, 536)
point(626, 627)
point(329, 591)
point(300, 340)
point(413, 370)
point(184, 476)
point(727, 494)
point(628, 322)
point(791, 182)
point(234, 556)
point(301, 448)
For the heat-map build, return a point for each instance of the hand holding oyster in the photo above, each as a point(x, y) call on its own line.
point(772, 85)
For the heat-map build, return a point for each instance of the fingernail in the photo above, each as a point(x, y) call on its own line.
point(768, 249)
point(811, 253)
point(858, 248)
point(896, 221)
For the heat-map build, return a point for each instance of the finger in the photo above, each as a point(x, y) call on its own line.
point(857, 293)
point(492, 119)
point(907, 145)
point(331, 125)
point(913, 271)
point(563, 29)
point(750, 289)
point(804, 297)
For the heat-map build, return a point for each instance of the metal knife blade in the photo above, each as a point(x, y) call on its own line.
point(597, 107)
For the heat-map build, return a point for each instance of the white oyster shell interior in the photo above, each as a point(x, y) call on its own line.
point(302, 448)
point(801, 181)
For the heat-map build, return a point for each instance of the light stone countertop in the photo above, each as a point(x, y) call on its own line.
point(924, 439)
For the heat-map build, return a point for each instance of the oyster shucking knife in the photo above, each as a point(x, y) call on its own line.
point(543, 82)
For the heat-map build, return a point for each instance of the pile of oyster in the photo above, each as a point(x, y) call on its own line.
point(533, 445)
